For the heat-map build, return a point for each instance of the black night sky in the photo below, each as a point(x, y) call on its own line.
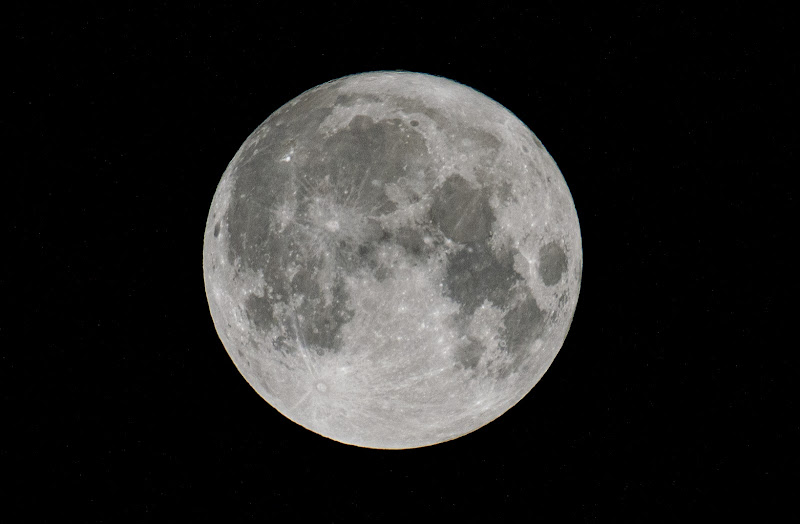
point(672, 398)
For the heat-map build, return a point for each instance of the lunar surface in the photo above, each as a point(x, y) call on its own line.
point(392, 260)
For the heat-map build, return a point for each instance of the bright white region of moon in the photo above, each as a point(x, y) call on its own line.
point(392, 260)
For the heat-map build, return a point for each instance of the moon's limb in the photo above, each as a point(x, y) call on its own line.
point(392, 260)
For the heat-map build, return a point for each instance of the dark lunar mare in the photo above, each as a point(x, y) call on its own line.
point(552, 263)
point(361, 153)
point(420, 172)
point(523, 324)
point(461, 212)
point(477, 273)
point(261, 180)
point(342, 169)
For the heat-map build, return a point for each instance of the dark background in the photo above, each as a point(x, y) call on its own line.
point(672, 397)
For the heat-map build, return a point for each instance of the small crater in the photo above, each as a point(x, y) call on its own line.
point(322, 387)
point(414, 123)
point(552, 263)
point(413, 105)
point(216, 230)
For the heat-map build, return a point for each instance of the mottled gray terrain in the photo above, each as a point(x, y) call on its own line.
point(392, 260)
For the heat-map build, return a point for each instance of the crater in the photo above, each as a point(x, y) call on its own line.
point(413, 105)
point(552, 263)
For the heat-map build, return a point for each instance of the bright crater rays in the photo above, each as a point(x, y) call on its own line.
point(392, 260)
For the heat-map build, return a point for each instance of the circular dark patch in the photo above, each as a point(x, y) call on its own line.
point(552, 263)
point(469, 355)
point(414, 123)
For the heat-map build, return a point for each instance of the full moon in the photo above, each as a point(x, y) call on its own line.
point(392, 260)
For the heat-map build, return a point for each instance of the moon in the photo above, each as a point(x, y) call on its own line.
point(392, 260)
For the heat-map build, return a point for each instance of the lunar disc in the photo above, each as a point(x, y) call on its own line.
point(392, 260)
